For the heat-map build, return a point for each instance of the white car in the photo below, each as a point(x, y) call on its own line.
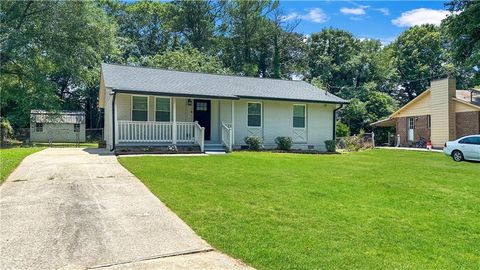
point(465, 148)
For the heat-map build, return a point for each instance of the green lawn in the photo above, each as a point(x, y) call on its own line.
point(371, 210)
point(11, 157)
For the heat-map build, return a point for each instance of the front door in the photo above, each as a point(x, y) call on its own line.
point(202, 114)
point(410, 129)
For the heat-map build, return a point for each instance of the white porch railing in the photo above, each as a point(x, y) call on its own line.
point(199, 135)
point(227, 135)
point(156, 132)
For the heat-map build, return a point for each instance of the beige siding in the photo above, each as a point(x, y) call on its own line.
point(461, 107)
point(443, 111)
point(421, 106)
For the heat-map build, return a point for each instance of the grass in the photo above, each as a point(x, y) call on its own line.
point(369, 210)
point(11, 157)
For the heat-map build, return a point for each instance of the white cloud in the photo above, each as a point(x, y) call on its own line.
point(384, 11)
point(315, 15)
point(420, 16)
point(353, 11)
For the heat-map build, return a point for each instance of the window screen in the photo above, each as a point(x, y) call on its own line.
point(254, 114)
point(139, 108)
point(162, 109)
point(298, 116)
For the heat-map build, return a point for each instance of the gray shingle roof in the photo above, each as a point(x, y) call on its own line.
point(179, 83)
point(66, 117)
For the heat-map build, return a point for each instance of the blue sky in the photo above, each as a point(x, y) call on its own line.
point(382, 20)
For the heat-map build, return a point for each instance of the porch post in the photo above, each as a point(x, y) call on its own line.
point(174, 121)
point(115, 119)
point(233, 123)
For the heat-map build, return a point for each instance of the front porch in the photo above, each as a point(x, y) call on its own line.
point(154, 121)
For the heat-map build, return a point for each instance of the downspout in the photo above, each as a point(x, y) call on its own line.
point(113, 120)
point(334, 135)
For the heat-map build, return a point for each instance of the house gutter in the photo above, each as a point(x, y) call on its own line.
point(113, 120)
point(334, 135)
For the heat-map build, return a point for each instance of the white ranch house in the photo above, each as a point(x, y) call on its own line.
point(155, 107)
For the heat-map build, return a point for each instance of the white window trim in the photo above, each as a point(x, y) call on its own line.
point(261, 114)
point(148, 107)
point(155, 108)
point(305, 118)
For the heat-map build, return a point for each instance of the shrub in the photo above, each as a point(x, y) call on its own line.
point(342, 129)
point(330, 145)
point(254, 142)
point(284, 143)
point(6, 130)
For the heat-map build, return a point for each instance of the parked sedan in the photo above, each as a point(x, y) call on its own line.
point(465, 148)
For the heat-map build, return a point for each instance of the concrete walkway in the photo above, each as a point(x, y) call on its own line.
point(70, 208)
point(410, 149)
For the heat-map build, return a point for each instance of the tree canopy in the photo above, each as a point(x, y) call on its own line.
point(51, 52)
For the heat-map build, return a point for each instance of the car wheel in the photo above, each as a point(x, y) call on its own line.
point(457, 156)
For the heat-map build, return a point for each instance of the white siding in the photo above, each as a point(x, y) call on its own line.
point(277, 120)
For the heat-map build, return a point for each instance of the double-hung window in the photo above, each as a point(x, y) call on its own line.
point(139, 108)
point(299, 113)
point(254, 114)
point(76, 127)
point(162, 109)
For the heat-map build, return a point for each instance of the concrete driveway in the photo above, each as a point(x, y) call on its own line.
point(70, 208)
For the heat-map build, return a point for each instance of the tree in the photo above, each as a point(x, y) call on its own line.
point(50, 51)
point(462, 32)
point(418, 57)
point(355, 115)
point(196, 21)
point(189, 59)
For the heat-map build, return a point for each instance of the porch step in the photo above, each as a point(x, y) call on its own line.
point(214, 148)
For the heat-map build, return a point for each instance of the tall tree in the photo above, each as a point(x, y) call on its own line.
point(49, 52)
point(418, 57)
point(462, 33)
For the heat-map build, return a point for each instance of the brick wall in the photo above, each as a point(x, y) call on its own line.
point(467, 123)
point(402, 130)
point(421, 129)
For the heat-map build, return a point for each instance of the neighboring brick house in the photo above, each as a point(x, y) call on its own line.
point(441, 113)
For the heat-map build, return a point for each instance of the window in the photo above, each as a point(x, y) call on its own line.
point(38, 127)
point(139, 108)
point(254, 114)
point(76, 127)
point(470, 140)
point(429, 121)
point(411, 123)
point(299, 116)
point(201, 106)
point(162, 109)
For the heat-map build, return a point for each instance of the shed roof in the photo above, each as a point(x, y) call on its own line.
point(64, 117)
point(157, 81)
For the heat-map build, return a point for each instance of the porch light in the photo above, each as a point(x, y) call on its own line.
point(189, 102)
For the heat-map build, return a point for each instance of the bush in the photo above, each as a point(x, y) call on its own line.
point(342, 129)
point(254, 142)
point(330, 145)
point(6, 130)
point(284, 143)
